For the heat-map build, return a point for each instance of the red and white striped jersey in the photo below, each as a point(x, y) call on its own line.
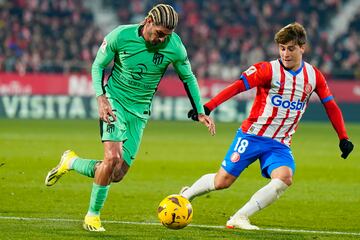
point(282, 97)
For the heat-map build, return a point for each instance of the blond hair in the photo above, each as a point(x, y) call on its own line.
point(164, 15)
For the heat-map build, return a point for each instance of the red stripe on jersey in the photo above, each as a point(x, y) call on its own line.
point(306, 82)
point(262, 80)
point(288, 110)
point(257, 108)
point(274, 109)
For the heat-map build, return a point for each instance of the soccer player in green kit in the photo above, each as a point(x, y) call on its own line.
point(141, 54)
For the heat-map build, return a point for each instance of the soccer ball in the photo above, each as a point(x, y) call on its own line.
point(175, 212)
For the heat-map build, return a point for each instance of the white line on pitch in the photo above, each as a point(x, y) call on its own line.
point(191, 225)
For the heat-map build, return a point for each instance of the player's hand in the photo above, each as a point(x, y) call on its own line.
point(194, 115)
point(346, 147)
point(104, 108)
point(208, 122)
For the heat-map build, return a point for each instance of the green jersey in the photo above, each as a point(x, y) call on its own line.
point(138, 68)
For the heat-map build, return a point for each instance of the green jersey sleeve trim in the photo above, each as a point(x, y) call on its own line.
point(183, 68)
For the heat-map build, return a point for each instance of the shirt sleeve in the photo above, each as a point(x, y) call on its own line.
point(182, 67)
point(227, 93)
point(104, 56)
point(322, 89)
point(332, 109)
point(256, 75)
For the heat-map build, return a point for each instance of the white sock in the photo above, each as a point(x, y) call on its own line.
point(91, 214)
point(263, 198)
point(203, 185)
point(71, 163)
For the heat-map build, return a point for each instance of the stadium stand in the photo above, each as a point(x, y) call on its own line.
point(47, 36)
point(222, 37)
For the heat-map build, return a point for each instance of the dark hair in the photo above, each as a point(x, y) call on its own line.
point(164, 15)
point(292, 32)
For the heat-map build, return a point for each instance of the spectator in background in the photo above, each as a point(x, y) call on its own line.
point(47, 36)
point(64, 36)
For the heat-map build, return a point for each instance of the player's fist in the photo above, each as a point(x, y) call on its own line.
point(346, 147)
point(194, 115)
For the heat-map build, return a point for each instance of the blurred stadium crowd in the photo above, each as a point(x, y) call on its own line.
point(222, 37)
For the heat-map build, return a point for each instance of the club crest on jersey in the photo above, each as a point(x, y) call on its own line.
point(235, 157)
point(278, 101)
point(158, 58)
point(308, 88)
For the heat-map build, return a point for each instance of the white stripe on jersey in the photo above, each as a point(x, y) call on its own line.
point(289, 129)
point(283, 99)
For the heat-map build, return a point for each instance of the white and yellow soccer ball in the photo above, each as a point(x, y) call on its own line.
point(175, 211)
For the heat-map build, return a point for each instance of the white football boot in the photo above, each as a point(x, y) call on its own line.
point(241, 222)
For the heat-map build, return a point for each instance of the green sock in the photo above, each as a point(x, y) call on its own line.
point(85, 166)
point(98, 196)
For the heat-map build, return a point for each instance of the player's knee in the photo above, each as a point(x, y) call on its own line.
point(284, 174)
point(222, 183)
point(287, 180)
point(223, 179)
point(113, 160)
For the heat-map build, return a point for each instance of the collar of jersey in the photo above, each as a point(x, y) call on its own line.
point(139, 30)
point(294, 73)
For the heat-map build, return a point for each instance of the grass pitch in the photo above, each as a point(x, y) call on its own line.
point(323, 203)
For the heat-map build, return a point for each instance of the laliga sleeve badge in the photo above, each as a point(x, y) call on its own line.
point(250, 70)
point(235, 157)
point(103, 46)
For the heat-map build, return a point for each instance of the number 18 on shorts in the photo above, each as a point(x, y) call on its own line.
point(247, 148)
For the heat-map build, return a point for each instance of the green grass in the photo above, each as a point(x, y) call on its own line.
point(325, 195)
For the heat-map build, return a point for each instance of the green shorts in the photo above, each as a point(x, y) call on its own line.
point(128, 128)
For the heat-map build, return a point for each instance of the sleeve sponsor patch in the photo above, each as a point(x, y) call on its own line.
point(250, 70)
point(103, 46)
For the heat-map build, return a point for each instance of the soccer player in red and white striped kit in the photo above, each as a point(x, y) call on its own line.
point(284, 87)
